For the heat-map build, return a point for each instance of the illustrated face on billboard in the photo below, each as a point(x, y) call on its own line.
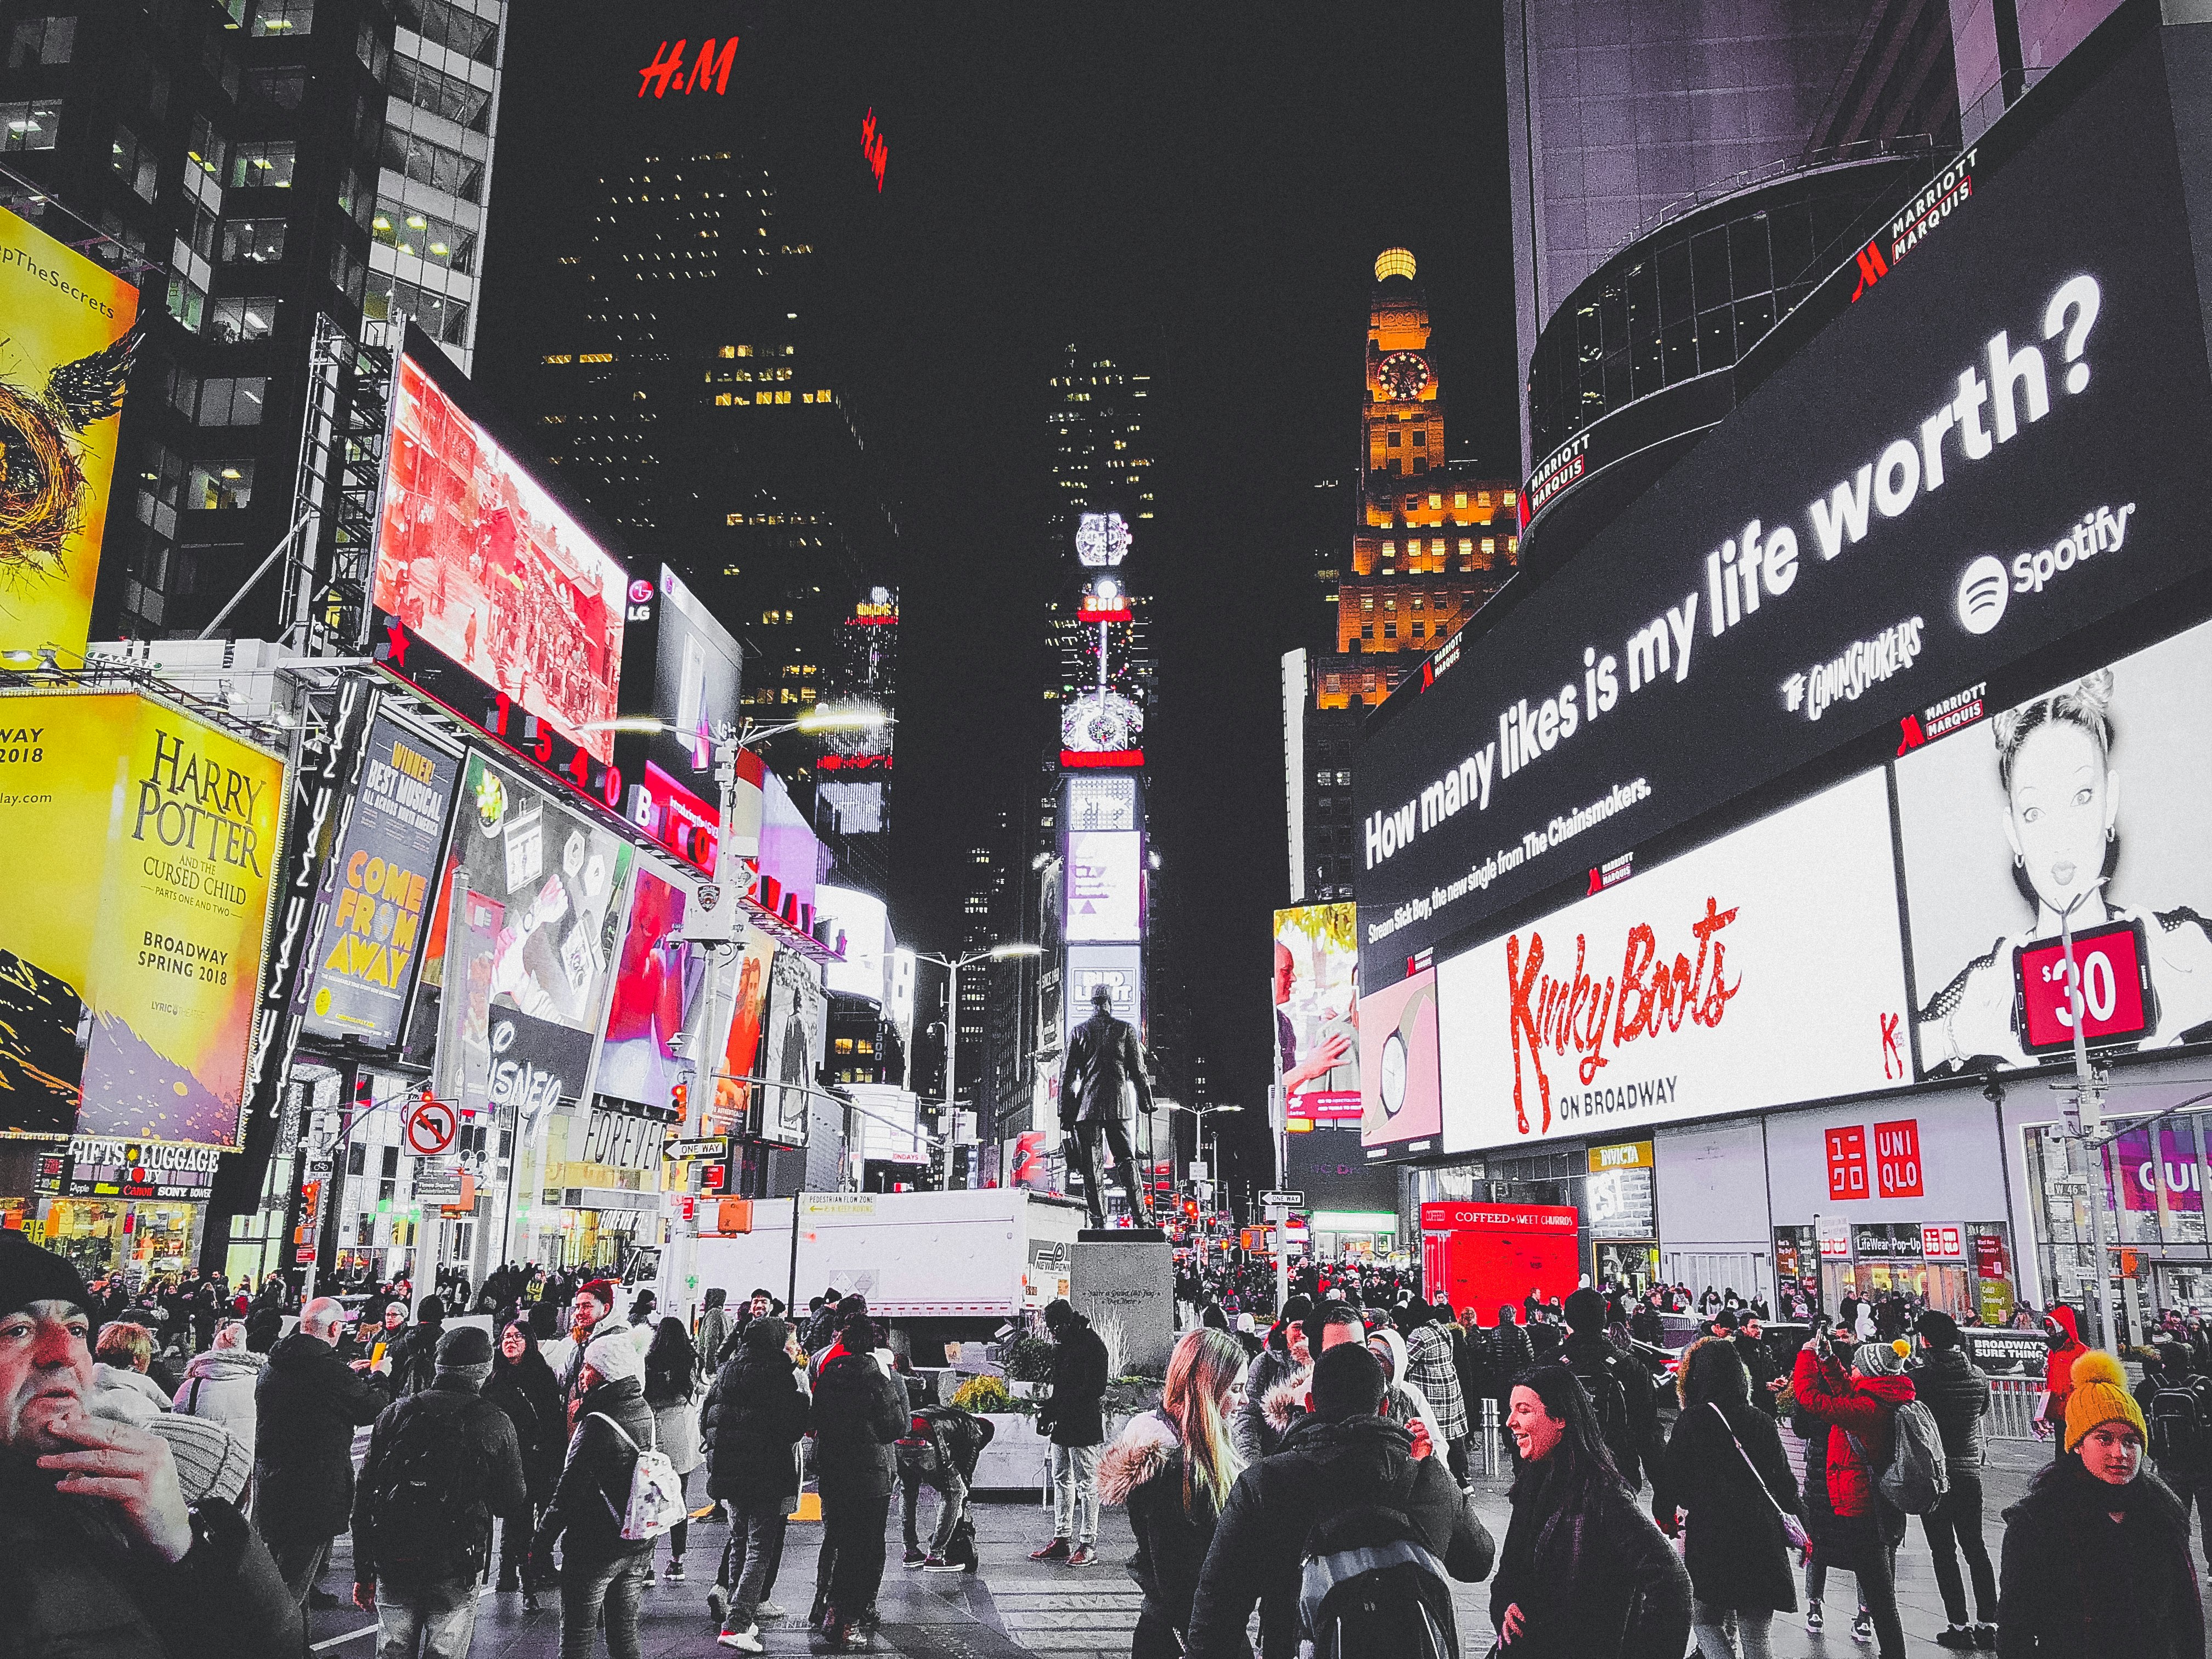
point(792, 1049)
point(376, 899)
point(476, 558)
point(1768, 960)
point(1317, 1025)
point(132, 963)
point(1104, 885)
point(741, 1056)
point(654, 990)
point(2071, 799)
point(63, 366)
point(1399, 1101)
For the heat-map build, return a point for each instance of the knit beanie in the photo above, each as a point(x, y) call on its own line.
point(2099, 1394)
point(466, 1352)
point(29, 1274)
point(616, 1358)
point(1937, 1329)
point(1879, 1359)
point(1586, 1311)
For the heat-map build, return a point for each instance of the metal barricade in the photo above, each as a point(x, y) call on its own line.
point(2012, 1407)
point(1487, 1440)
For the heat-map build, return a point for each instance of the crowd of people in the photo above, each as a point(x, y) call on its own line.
point(1315, 1468)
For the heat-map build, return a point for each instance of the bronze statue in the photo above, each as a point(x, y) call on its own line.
point(1101, 1056)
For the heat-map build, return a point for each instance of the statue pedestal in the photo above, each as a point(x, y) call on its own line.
point(1122, 1280)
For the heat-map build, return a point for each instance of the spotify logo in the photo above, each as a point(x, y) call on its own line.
point(1982, 593)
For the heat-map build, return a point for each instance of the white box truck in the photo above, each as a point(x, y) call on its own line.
point(949, 1266)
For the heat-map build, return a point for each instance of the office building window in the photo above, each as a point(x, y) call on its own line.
point(461, 102)
point(449, 25)
point(1420, 434)
point(254, 241)
point(1394, 438)
point(41, 40)
point(278, 88)
point(266, 164)
point(218, 486)
point(445, 320)
point(284, 17)
point(233, 399)
point(31, 126)
point(133, 162)
point(434, 164)
point(236, 320)
point(434, 242)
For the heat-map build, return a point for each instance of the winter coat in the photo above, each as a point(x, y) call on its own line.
point(1431, 1368)
point(593, 1494)
point(526, 1390)
point(1512, 1353)
point(74, 1589)
point(1143, 1469)
point(1324, 1467)
point(755, 1413)
point(857, 1410)
point(1597, 1581)
point(676, 1420)
point(951, 1443)
point(504, 1491)
point(1249, 1432)
point(132, 1396)
point(1586, 1353)
point(414, 1358)
point(219, 1385)
point(1736, 1551)
point(2075, 1583)
point(1864, 1408)
point(1957, 1396)
point(2058, 1369)
point(1760, 1364)
point(306, 1407)
point(1405, 1405)
point(1073, 1416)
point(715, 1330)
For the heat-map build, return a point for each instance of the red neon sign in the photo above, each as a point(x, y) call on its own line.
point(875, 146)
point(667, 69)
point(1102, 757)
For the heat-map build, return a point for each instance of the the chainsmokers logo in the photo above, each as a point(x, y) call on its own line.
point(1648, 998)
point(1987, 584)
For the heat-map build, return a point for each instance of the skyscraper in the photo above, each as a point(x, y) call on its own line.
point(1430, 541)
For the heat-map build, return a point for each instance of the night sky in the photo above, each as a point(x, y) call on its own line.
point(1204, 185)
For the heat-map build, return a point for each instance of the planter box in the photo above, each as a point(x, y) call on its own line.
point(1024, 1390)
point(1018, 1458)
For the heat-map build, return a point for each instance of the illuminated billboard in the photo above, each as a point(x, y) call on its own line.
point(1764, 968)
point(1317, 981)
point(1120, 969)
point(154, 838)
point(681, 669)
point(1105, 886)
point(657, 981)
point(1101, 539)
point(372, 914)
point(866, 926)
point(489, 597)
point(729, 1111)
point(63, 365)
point(794, 1037)
point(1400, 1098)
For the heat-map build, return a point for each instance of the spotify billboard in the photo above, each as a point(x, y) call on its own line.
point(1999, 446)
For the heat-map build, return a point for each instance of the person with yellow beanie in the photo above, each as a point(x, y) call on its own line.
point(2096, 1563)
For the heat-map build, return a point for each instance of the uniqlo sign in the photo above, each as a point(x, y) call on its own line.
point(1847, 1163)
point(1897, 1159)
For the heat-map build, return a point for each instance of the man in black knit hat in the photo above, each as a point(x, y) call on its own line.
point(99, 1551)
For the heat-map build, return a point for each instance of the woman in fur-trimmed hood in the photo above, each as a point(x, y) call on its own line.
point(1173, 1468)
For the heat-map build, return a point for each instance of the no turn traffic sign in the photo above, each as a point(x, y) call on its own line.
point(430, 1128)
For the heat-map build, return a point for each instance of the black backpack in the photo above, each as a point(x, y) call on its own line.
point(1370, 1589)
point(428, 1510)
point(2179, 1419)
point(1609, 1401)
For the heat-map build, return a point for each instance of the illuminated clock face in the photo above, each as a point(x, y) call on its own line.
point(1393, 1073)
point(1405, 373)
point(1101, 722)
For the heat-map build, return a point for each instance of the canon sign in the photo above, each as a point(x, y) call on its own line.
point(1999, 445)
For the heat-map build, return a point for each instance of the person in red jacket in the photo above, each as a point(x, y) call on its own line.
point(1859, 1406)
point(2060, 1329)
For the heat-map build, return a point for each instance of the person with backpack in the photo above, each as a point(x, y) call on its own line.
point(1860, 1407)
point(858, 1411)
point(1584, 1573)
point(1173, 1467)
point(939, 1450)
point(1283, 1356)
point(755, 1414)
point(1724, 1464)
point(219, 1384)
point(1619, 1388)
point(1957, 1396)
point(2061, 1330)
point(524, 1387)
point(1511, 1354)
point(2177, 1404)
point(414, 1354)
point(441, 1463)
point(671, 1389)
point(2096, 1563)
point(1289, 1537)
point(602, 1571)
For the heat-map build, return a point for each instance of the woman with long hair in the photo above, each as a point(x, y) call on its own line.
point(673, 1376)
point(1724, 1465)
point(1584, 1573)
point(522, 1386)
point(1173, 1468)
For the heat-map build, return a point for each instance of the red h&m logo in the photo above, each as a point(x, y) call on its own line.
point(1872, 268)
point(667, 69)
point(1897, 1159)
point(875, 146)
point(1847, 1163)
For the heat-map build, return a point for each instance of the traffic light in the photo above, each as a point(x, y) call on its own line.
point(678, 1100)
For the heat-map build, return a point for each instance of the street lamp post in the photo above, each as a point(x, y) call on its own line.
point(1197, 1145)
point(953, 965)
